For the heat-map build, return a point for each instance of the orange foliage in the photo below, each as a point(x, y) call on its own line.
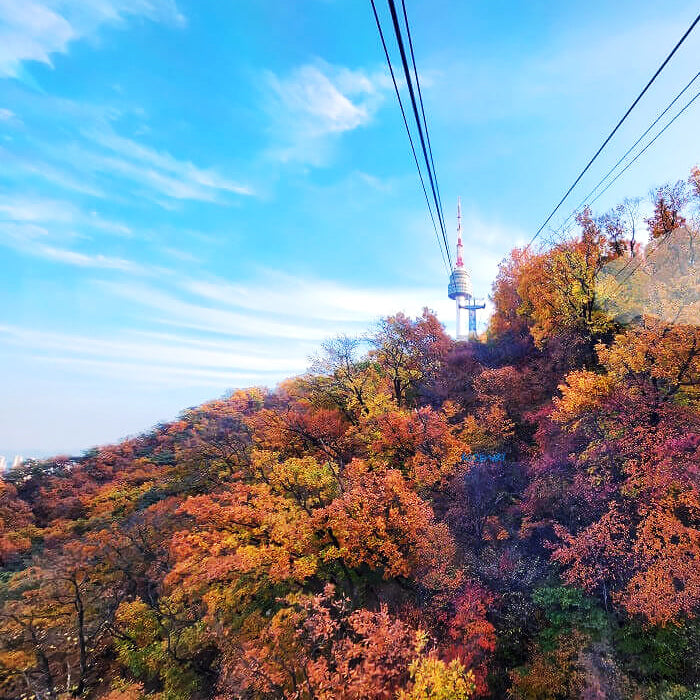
point(379, 522)
point(16, 520)
point(316, 647)
point(669, 200)
point(420, 443)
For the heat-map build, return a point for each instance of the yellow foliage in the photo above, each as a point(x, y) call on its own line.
point(139, 619)
point(582, 394)
point(433, 679)
point(669, 354)
point(489, 430)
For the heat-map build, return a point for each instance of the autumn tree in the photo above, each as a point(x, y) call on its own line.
point(55, 618)
point(215, 440)
point(669, 202)
point(316, 646)
point(409, 353)
point(343, 377)
point(508, 317)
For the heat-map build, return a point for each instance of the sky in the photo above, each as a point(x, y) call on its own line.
point(195, 194)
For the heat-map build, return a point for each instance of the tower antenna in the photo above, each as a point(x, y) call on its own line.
point(460, 247)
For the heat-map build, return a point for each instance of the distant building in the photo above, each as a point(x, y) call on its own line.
point(3, 464)
point(17, 461)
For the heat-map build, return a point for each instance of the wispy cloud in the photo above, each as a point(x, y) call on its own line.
point(36, 209)
point(97, 260)
point(35, 30)
point(32, 239)
point(320, 300)
point(175, 352)
point(39, 169)
point(278, 309)
point(317, 102)
point(91, 157)
point(165, 361)
point(204, 333)
point(19, 208)
point(160, 359)
point(155, 170)
point(43, 227)
point(163, 375)
point(173, 309)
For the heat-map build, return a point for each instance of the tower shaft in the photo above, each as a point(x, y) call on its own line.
point(461, 317)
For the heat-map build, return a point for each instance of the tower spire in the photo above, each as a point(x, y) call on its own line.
point(460, 259)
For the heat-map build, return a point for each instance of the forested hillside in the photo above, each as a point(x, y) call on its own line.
point(413, 518)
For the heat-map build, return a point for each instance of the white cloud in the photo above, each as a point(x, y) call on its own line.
point(31, 239)
point(167, 350)
point(95, 156)
point(320, 300)
point(277, 308)
point(20, 209)
point(30, 31)
point(165, 376)
point(19, 234)
point(314, 103)
point(34, 30)
point(226, 335)
point(171, 309)
point(41, 227)
point(156, 358)
point(155, 170)
point(99, 261)
point(37, 168)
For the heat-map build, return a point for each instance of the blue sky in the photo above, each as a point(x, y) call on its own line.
point(194, 194)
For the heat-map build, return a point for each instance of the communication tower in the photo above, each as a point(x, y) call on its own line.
point(460, 289)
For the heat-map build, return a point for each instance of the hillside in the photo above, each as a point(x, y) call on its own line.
point(413, 518)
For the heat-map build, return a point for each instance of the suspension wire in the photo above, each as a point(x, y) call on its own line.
point(585, 200)
point(646, 258)
point(408, 132)
point(420, 99)
point(409, 83)
point(614, 131)
point(678, 114)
